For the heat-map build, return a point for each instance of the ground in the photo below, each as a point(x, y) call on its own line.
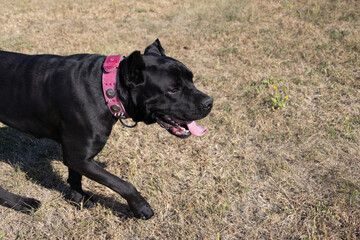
point(280, 159)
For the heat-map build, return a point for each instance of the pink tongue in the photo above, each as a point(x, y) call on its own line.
point(196, 130)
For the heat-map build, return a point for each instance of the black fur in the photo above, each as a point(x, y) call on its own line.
point(60, 97)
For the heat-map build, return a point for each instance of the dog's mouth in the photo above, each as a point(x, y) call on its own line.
point(180, 128)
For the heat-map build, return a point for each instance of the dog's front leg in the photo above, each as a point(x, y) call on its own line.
point(90, 169)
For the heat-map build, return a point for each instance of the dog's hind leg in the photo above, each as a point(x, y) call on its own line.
point(17, 202)
point(77, 196)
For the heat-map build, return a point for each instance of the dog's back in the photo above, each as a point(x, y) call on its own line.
point(32, 87)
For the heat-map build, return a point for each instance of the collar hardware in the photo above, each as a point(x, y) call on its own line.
point(110, 93)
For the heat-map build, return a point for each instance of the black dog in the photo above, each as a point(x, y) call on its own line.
point(61, 98)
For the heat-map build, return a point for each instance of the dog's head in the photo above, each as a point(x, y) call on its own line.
point(161, 89)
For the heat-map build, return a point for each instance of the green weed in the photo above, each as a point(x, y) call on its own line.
point(277, 100)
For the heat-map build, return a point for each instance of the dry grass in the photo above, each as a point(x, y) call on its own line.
point(289, 173)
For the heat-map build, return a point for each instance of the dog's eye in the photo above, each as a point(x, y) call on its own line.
point(173, 90)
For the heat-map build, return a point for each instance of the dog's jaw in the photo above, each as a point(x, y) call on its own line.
point(180, 128)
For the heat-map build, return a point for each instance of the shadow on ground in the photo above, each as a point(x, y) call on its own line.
point(33, 156)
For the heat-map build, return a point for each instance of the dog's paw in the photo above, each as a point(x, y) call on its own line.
point(80, 200)
point(26, 205)
point(141, 209)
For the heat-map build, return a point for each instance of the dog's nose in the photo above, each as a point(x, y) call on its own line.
point(207, 103)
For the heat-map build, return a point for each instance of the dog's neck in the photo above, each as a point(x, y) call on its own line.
point(109, 76)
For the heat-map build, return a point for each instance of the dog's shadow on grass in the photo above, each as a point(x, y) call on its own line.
point(33, 157)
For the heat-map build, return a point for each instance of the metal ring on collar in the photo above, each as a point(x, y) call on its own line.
point(128, 126)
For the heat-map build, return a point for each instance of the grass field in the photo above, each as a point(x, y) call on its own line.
point(281, 159)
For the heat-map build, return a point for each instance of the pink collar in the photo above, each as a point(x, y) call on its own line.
point(111, 66)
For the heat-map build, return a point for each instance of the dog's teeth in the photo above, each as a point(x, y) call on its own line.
point(184, 130)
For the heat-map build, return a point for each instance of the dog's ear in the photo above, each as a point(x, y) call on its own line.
point(155, 48)
point(135, 65)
